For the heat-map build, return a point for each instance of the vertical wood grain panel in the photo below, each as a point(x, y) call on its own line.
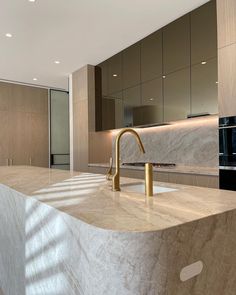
point(4, 137)
point(226, 20)
point(227, 81)
point(23, 138)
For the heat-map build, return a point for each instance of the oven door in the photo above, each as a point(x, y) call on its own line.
point(227, 145)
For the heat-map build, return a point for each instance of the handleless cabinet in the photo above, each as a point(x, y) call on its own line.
point(203, 33)
point(132, 100)
point(177, 95)
point(131, 66)
point(176, 45)
point(151, 56)
point(152, 101)
point(115, 73)
point(204, 87)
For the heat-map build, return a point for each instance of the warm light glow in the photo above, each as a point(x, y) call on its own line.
point(163, 77)
point(57, 62)
point(151, 99)
point(217, 82)
point(8, 35)
point(31, 0)
point(35, 79)
point(114, 75)
point(203, 62)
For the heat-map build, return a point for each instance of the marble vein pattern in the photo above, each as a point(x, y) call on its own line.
point(192, 142)
point(51, 248)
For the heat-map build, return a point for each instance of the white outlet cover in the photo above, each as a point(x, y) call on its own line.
point(191, 270)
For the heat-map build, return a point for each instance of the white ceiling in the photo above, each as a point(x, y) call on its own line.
point(75, 32)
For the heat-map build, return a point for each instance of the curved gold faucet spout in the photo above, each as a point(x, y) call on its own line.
point(116, 177)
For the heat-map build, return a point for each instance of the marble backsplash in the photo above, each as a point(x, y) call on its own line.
point(192, 142)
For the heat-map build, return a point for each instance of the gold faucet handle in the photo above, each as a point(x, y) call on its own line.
point(109, 173)
point(149, 179)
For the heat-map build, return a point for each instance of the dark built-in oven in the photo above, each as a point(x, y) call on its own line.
point(227, 152)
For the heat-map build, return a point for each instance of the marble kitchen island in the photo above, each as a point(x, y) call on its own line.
point(68, 233)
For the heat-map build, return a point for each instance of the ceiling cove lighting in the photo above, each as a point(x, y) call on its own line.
point(8, 35)
point(203, 62)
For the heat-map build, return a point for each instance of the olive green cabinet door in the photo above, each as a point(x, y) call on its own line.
point(152, 101)
point(115, 73)
point(131, 66)
point(151, 56)
point(177, 95)
point(204, 88)
point(203, 33)
point(176, 45)
point(132, 100)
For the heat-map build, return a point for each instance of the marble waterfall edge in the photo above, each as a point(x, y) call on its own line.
point(45, 251)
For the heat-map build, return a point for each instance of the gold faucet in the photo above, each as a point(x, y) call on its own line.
point(116, 176)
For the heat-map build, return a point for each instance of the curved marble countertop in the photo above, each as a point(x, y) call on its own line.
point(88, 197)
point(208, 171)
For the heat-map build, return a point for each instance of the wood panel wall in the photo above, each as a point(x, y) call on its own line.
point(23, 125)
point(88, 145)
point(226, 24)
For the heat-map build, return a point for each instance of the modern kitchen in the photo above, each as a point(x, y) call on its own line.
point(118, 147)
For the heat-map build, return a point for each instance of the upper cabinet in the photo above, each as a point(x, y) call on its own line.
point(167, 76)
point(177, 95)
point(151, 56)
point(176, 45)
point(203, 33)
point(131, 66)
point(115, 73)
point(204, 85)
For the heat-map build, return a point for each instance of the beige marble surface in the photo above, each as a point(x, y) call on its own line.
point(88, 197)
point(111, 243)
point(193, 142)
point(209, 171)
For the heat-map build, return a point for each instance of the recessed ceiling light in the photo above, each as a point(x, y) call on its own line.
point(203, 62)
point(151, 99)
point(8, 35)
point(163, 77)
point(57, 62)
point(35, 79)
point(31, 0)
point(217, 82)
point(114, 75)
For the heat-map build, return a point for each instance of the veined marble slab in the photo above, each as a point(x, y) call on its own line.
point(56, 243)
point(192, 142)
point(89, 197)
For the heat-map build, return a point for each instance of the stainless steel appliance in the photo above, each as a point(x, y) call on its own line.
point(227, 155)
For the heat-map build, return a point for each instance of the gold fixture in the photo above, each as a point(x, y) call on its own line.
point(109, 173)
point(116, 177)
point(149, 179)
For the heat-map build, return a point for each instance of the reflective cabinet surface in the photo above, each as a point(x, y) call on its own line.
point(167, 76)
